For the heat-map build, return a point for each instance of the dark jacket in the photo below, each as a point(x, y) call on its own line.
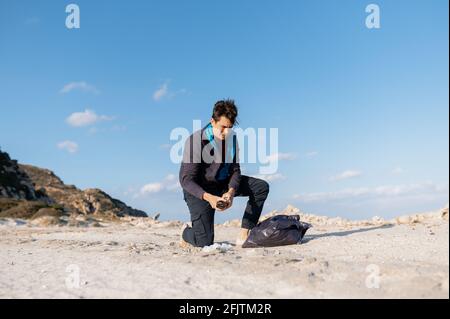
point(197, 174)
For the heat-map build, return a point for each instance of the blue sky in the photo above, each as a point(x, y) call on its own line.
point(362, 113)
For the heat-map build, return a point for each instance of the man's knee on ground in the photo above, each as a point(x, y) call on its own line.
point(204, 239)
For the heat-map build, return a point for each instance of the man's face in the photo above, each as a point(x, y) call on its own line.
point(222, 127)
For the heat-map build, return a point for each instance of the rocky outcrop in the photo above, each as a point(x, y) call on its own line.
point(15, 183)
point(28, 191)
point(27, 209)
point(316, 220)
point(90, 201)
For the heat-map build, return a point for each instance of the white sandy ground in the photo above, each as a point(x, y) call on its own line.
point(141, 259)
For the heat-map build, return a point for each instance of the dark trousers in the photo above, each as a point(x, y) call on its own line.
point(202, 214)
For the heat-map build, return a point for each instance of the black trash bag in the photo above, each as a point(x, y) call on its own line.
point(278, 230)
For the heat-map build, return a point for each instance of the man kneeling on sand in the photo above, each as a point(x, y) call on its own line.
point(210, 176)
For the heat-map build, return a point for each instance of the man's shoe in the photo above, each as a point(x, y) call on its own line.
point(243, 235)
point(183, 243)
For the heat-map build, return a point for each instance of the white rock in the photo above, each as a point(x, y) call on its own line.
point(224, 247)
point(377, 219)
point(444, 212)
point(403, 219)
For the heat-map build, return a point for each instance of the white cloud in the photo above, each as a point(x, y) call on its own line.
point(281, 156)
point(88, 117)
point(386, 191)
point(345, 175)
point(151, 188)
point(164, 92)
point(82, 86)
point(68, 146)
point(170, 177)
point(169, 183)
point(271, 177)
point(161, 92)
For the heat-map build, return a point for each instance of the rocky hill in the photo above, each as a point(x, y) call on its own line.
point(88, 201)
point(16, 184)
point(28, 191)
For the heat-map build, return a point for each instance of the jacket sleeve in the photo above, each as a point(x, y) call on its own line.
point(235, 171)
point(190, 169)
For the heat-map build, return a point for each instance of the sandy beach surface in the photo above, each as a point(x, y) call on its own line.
point(141, 258)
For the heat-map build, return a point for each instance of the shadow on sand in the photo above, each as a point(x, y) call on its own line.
point(308, 238)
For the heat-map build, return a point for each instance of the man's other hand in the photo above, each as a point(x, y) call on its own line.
point(212, 200)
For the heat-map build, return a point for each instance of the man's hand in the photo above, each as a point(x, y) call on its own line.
point(228, 197)
point(212, 200)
